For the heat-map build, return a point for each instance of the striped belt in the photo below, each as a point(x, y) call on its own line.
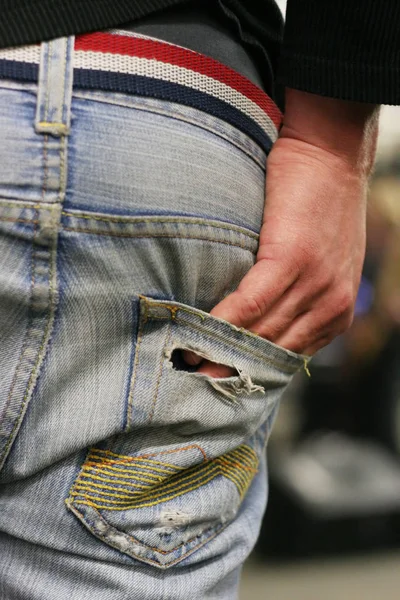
point(119, 61)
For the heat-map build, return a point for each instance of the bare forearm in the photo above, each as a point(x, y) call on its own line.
point(347, 130)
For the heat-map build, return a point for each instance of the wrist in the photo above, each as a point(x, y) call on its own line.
point(344, 129)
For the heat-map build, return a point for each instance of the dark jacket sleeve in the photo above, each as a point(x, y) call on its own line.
point(348, 49)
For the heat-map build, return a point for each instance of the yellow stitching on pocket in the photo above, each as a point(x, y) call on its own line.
point(106, 464)
point(118, 481)
point(97, 487)
point(239, 466)
point(157, 469)
point(122, 472)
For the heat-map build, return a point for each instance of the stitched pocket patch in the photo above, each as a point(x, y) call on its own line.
point(111, 483)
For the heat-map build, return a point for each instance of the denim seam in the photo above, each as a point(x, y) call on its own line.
point(26, 338)
point(63, 173)
point(70, 501)
point(18, 204)
point(178, 320)
point(215, 530)
point(160, 372)
point(41, 351)
point(28, 221)
point(133, 380)
point(271, 361)
point(160, 235)
point(156, 220)
point(45, 165)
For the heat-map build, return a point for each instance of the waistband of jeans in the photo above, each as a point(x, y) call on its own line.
point(130, 63)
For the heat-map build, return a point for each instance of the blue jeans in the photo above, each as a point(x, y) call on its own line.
point(124, 218)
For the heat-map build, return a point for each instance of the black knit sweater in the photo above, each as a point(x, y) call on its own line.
point(347, 49)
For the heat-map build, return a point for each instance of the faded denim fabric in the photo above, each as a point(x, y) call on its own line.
point(123, 221)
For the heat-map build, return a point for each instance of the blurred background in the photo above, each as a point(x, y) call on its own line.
point(332, 527)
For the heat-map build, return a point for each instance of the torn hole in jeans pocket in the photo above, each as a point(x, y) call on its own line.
point(231, 386)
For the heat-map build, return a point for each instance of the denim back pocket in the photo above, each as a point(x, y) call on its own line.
point(178, 474)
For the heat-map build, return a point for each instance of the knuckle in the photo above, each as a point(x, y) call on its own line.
point(252, 307)
point(343, 303)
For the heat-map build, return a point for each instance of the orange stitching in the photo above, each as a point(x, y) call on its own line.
point(140, 467)
point(133, 458)
point(188, 221)
point(91, 492)
point(244, 449)
point(89, 485)
point(227, 463)
point(92, 487)
point(241, 477)
point(137, 474)
point(155, 235)
point(106, 471)
point(139, 462)
point(234, 459)
point(85, 484)
point(115, 480)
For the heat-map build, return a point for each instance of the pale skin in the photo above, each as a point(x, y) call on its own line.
point(302, 289)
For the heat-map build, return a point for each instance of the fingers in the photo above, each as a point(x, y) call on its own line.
point(315, 329)
point(249, 307)
point(259, 291)
point(215, 371)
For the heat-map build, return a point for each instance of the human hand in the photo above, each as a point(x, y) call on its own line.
point(302, 289)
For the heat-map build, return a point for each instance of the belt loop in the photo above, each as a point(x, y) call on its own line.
point(53, 112)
